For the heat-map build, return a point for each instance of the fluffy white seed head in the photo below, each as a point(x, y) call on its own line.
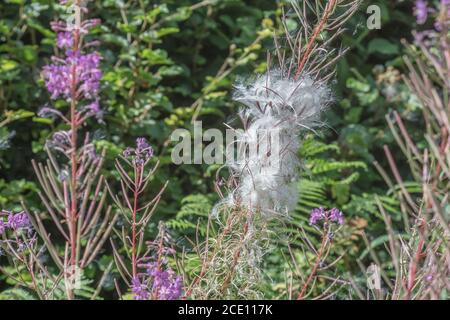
point(272, 95)
point(276, 111)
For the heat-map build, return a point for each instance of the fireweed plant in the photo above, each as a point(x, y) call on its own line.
point(421, 253)
point(73, 190)
point(18, 242)
point(158, 281)
point(16, 233)
point(27, 260)
point(288, 99)
point(324, 221)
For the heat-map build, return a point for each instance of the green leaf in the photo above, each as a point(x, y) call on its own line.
point(7, 65)
point(383, 46)
point(155, 57)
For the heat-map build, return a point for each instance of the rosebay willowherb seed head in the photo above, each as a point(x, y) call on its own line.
point(277, 109)
point(274, 96)
point(282, 103)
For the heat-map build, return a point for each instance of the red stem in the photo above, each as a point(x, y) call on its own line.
point(73, 157)
point(329, 8)
point(133, 225)
point(196, 281)
point(414, 263)
point(420, 247)
point(316, 265)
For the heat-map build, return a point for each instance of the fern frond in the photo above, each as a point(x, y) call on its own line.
point(16, 294)
point(318, 166)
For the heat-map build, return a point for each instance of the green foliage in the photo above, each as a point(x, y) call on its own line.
point(16, 294)
point(325, 173)
point(193, 215)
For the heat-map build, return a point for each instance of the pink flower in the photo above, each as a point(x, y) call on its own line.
point(2, 227)
point(18, 221)
point(141, 153)
point(58, 76)
point(64, 40)
point(421, 11)
point(334, 215)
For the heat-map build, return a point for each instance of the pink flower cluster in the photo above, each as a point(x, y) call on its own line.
point(422, 10)
point(141, 153)
point(75, 74)
point(59, 76)
point(14, 221)
point(159, 282)
point(333, 215)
